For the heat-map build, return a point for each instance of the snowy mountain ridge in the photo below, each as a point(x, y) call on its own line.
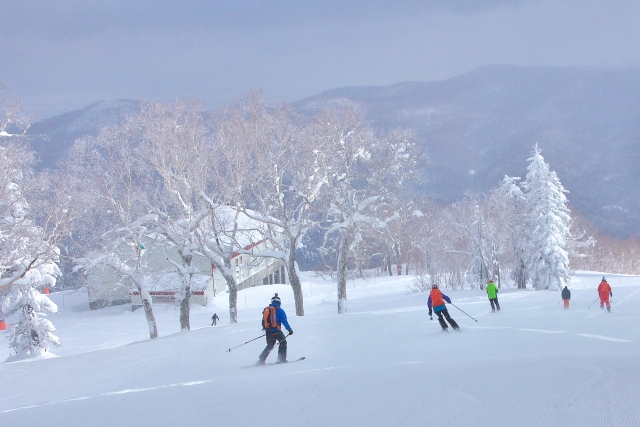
point(478, 127)
point(53, 138)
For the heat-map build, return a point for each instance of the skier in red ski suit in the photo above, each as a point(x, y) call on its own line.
point(604, 290)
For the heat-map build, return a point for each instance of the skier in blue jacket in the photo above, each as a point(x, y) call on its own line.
point(273, 317)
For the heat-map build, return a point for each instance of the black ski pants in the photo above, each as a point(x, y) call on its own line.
point(494, 301)
point(271, 342)
point(444, 314)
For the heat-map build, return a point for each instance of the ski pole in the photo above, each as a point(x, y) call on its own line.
point(462, 310)
point(245, 343)
point(593, 302)
point(285, 338)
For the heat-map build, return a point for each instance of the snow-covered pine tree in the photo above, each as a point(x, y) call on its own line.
point(548, 225)
point(28, 255)
point(33, 335)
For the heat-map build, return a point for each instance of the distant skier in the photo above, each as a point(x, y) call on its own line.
point(566, 296)
point(604, 290)
point(437, 301)
point(272, 318)
point(492, 293)
point(214, 319)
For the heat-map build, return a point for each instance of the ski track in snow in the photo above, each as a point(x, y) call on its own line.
point(545, 331)
point(113, 393)
point(600, 337)
point(625, 298)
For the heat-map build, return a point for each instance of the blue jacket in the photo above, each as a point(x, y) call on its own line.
point(438, 307)
point(281, 318)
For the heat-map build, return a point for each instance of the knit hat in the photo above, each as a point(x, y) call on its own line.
point(603, 279)
point(434, 286)
point(275, 299)
point(490, 281)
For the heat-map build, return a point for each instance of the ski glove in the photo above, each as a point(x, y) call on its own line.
point(611, 294)
point(290, 331)
point(429, 312)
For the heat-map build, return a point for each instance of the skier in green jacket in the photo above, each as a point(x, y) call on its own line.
point(492, 292)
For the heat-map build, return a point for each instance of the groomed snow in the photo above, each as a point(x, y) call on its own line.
point(384, 363)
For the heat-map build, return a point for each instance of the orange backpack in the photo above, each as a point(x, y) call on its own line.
point(269, 318)
point(436, 297)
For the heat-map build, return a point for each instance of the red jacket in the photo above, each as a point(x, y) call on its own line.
point(604, 288)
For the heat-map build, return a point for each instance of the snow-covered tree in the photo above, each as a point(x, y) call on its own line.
point(222, 235)
point(516, 211)
point(399, 242)
point(362, 172)
point(13, 122)
point(110, 185)
point(178, 151)
point(28, 245)
point(274, 162)
point(33, 334)
point(548, 223)
point(475, 222)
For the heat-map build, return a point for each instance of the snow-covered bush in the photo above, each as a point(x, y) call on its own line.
point(33, 334)
point(421, 283)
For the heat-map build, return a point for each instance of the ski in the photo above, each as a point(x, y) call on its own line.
point(275, 363)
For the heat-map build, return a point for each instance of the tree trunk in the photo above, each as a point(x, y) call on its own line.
point(343, 257)
point(185, 307)
point(148, 309)
point(233, 291)
point(294, 280)
point(185, 300)
point(138, 280)
point(521, 280)
point(151, 320)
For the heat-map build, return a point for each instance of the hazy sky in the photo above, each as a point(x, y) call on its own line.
point(60, 55)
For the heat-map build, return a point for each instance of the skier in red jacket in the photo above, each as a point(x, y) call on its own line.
point(604, 290)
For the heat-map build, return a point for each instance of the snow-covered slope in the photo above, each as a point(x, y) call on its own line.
point(382, 364)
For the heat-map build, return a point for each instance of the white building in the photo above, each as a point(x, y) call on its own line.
point(105, 288)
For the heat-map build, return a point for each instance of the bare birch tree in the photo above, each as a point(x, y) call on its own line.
point(275, 164)
point(111, 187)
point(177, 149)
point(362, 171)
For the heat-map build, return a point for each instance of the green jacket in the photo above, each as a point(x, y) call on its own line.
point(492, 290)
